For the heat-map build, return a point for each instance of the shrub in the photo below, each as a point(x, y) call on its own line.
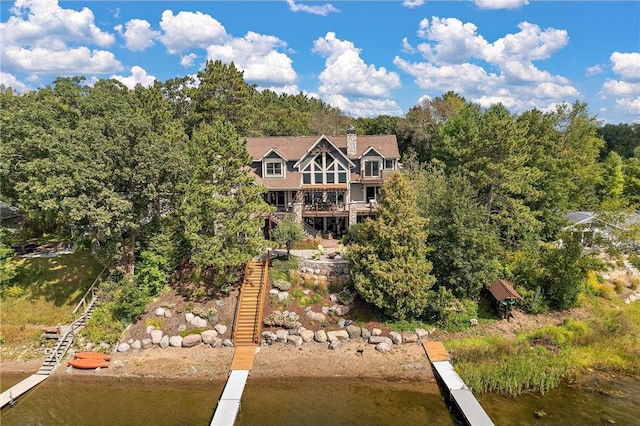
point(282, 285)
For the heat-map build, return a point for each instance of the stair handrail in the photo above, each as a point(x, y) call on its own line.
point(91, 291)
point(62, 340)
point(264, 277)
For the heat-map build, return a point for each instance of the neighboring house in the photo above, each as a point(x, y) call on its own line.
point(622, 229)
point(328, 182)
point(10, 217)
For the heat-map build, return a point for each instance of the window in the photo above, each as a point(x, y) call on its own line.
point(324, 169)
point(388, 164)
point(372, 168)
point(273, 169)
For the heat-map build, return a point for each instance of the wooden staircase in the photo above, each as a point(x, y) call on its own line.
point(248, 321)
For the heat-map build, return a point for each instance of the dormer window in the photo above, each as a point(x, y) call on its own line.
point(371, 168)
point(273, 169)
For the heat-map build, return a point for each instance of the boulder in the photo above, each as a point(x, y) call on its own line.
point(164, 342)
point(320, 336)
point(366, 333)
point(220, 328)
point(159, 312)
point(337, 334)
point(146, 343)
point(409, 337)
point(354, 331)
point(376, 332)
point(294, 340)
point(150, 328)
point(383, 347)
point(156, 336)
point(307, 335)
point(208, 336)
point(395, 337)
point(227, 343)
point(123, 347)
point(191, 340)
point(282, 336)
point(188, 316)
point(374, 340)
point(175, 341)
point(316, 316)
point(216, 342)
point(167, 314)
point(421, 333)
point(136, 344)
point(334, 344)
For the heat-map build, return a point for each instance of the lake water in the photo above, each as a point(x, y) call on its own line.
point(86, 400)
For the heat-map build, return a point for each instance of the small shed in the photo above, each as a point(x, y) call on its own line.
point(506, 298)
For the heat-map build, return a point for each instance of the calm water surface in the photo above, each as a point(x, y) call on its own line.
point(88, 400)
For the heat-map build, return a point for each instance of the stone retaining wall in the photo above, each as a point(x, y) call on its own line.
point(324, 273)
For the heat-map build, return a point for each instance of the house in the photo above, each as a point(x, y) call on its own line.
point(621, 229)
point(328, 182)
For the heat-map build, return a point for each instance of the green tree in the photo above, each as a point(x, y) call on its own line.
point(288, 232)
point(565, 269)
point(222, 208)
point(632, 178)
point(388, 260)
point(465, 246)
point(222, 95)
point(612, 177)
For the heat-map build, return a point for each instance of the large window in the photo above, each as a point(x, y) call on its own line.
point(371, 168)
point(273, 169)
point(324, 169)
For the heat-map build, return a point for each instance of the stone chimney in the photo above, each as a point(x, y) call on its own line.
point(352, 142)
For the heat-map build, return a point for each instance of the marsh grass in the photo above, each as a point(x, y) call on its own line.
point(538, 360)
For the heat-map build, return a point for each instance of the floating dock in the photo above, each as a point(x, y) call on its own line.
point(459, 393)
point(229, 403)
point(11, 394)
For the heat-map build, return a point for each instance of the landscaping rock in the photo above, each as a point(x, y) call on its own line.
point(376, 332)
point(421, 333)
point(136, 344)
point(220, 328)
point(208, 336)
point(383, 347)
point(337, 334)
point(216, 342)
point(146, 343)
point(188, 316)
point(320, 336)
point(354, 331)
point(334, 344)
point(123, 347)
point(395, 337)
point(191, 340)
point(282, 336)
point(156, 336)
point(159, 312)
point(316, 316)
point(164, 342)
point(409, 337)
point(175, 341)
point(227, 343)
point(294, 340)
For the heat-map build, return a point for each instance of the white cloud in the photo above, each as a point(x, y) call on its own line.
point(458, 58)
point(453, 40)
point(626, 65)
point(346, 73)
point(76, 61)
point(138, 34)
point(187, 60)
point(322, 10)
point(203, 30)
point(43, 23)
point(412, 3)
point(500, 4)
point(9, 80)
point(138, 76)
point(258, 57)
point(288, 89)
point(594, 70)
point(626, 92)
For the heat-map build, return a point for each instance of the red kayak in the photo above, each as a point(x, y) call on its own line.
point(92, 355)
point(88, 363)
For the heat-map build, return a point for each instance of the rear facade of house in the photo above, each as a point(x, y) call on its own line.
point(328, 182)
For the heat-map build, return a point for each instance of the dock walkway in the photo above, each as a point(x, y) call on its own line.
point(459, 393)
point(246, 338)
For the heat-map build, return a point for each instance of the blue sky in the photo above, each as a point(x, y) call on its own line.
point(365, 57)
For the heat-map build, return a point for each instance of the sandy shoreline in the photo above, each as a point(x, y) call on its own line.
point(403, 362)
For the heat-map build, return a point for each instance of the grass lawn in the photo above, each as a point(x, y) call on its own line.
point(44, 293)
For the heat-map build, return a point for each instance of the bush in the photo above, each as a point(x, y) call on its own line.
point(130, 301)
point(282, 285)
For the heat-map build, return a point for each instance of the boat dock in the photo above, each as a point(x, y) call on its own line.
point(246, 338)
point(459, 393)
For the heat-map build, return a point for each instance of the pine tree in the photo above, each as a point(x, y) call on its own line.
point(222, 209)
point(388, 259)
